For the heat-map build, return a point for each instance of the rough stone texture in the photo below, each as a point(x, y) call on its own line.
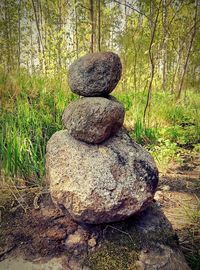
point(95, 74)
point(93, 119)
point(149, 234)
point(100, 183)
point(162, 258)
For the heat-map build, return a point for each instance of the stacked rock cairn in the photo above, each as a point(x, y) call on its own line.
point(96, 172)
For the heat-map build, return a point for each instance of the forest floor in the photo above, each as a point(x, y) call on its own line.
point(178, 195)
point(31, 226)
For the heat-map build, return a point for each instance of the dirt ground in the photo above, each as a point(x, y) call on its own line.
point(32, 226)
point(178, 195)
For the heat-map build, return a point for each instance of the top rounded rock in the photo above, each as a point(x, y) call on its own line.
point(95, 74)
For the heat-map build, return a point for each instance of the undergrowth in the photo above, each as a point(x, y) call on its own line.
point(30, 112)
point(31, 109)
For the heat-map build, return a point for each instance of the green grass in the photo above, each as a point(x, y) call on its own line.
point(172, 125)
point(193, 253)
point(31, 110)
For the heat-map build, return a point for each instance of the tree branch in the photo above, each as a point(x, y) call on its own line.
point(131, 7)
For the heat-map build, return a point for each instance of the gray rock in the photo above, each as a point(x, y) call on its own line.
point(162, 258)
point(146, 241)
point(95, 74)
point(93, 119)
point(100, 183)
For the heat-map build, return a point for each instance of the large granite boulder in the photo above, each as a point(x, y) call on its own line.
point(93, 119)
point(95, 74)
point(100, 183)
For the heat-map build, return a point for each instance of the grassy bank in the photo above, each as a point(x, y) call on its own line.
point(31, 109)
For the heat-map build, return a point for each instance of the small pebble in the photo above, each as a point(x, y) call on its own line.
point(92, 242)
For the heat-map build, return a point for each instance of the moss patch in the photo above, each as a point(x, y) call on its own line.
point(111, 257)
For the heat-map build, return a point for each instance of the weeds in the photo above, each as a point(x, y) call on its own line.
point(31, 109)
point(30, 113)
point(191, 249)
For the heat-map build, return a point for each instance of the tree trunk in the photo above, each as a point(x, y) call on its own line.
point(19, 33)
point(40, 45)
point(60, 37)
point(152, 64)
point(135, 65)
point(92, 25)
point(164, 71)
point(32, 56)
point(76, 30)
point(7, 35)
point(99, 25)
point(188, 51)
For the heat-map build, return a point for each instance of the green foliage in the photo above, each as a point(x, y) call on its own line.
point(45, 36)
point(171, 124)
point(144, 135)
point(164, 153)
point(31, 113)
point(31, 109)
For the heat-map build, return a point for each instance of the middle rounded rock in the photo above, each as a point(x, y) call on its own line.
point(93, 119)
